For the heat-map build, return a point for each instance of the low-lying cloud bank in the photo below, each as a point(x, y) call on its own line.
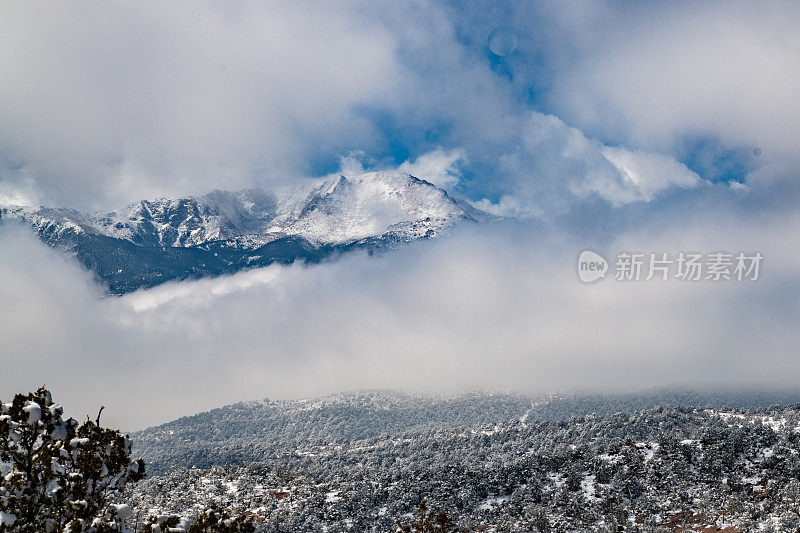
point(496, 307)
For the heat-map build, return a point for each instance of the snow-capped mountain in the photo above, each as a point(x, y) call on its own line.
point(149, 242)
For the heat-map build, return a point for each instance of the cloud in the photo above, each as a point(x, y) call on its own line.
point(555, 167)
point(496, 307)
point(146, 99)
point(649, 75)
point(584, 127)
point(440, 167)
point(646, 174)
point(150, 100)
point(730, 71)
point(105, 105)
point(352, 164)
point(507, 206)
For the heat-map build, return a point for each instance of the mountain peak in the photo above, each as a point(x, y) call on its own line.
point(224, 231)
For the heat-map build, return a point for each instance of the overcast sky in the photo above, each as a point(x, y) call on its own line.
point(662, 127)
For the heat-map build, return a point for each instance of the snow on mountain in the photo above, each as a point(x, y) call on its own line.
point(334, 211)
point(152, 241)
point(344, 210)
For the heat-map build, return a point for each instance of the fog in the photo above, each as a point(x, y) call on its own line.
point(498, 308)
point(609, 126)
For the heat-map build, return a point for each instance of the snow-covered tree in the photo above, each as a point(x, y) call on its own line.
point(212, 520)
point(59, 475)
point(428, 522)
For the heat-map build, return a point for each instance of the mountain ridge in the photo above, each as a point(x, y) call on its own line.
point(152, 241)
point(235, 433)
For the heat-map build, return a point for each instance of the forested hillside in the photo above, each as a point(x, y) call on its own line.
point(660, 469)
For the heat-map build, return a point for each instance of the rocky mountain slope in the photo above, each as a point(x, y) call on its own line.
point(147, 243)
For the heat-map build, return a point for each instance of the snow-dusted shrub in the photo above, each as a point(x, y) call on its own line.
point(212, 520)
point(59, 475)
point(428, 522)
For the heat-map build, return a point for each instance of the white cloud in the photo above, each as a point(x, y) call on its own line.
point(556, 166)
point(200, 294)
point(657, 72)
point(10, 195)
point(508, 206)
point(105, 103)
point(352, 164)
point(440, 167)
point(17, 187)
point(109, 104)
point(497, 307)
point(647, 173)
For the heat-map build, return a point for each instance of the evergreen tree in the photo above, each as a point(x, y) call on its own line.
point(64, 476)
